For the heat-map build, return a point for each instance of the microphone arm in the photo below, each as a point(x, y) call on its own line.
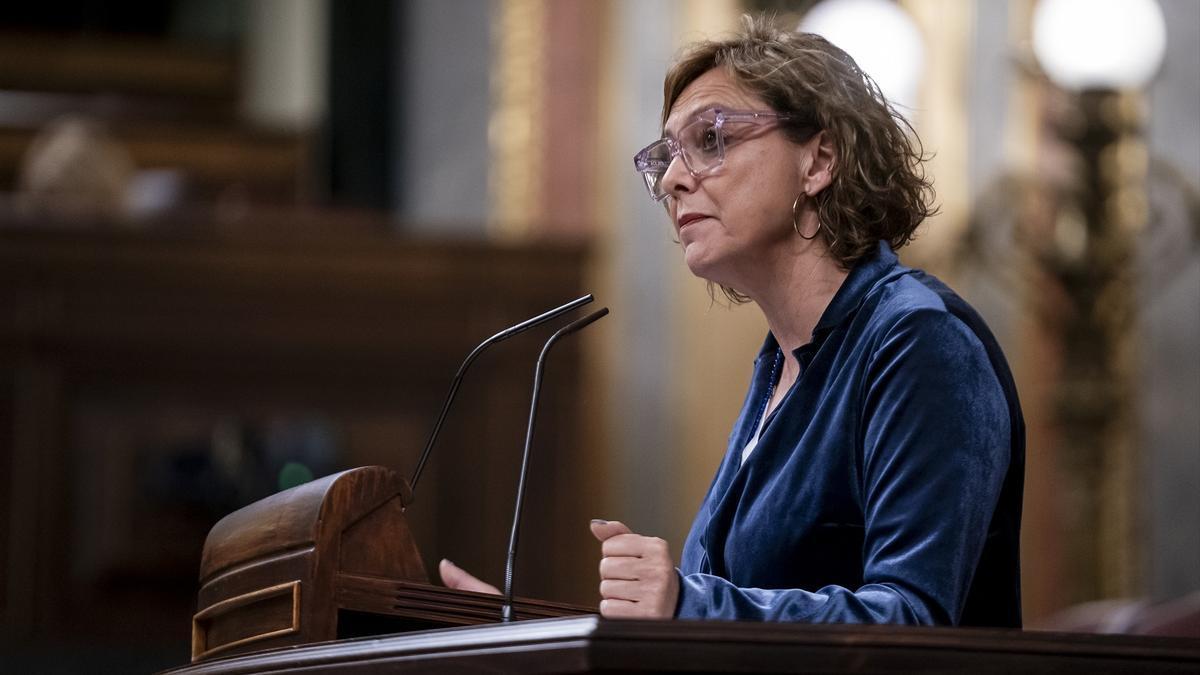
point(498, 337)
point(506, 612)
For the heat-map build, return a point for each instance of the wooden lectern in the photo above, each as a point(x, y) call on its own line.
point(334, 559)
point(589, 644)
point(329, 559)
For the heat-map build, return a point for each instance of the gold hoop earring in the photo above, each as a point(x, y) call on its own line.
point(796, 226)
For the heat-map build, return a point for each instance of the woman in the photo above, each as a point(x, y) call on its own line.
point(875, 472)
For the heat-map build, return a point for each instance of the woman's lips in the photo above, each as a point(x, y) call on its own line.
point(689, 218)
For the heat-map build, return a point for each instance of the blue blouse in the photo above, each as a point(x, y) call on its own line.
point(886, 486)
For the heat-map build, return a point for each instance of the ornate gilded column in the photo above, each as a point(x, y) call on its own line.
point(516, 121)
point(1092, 255)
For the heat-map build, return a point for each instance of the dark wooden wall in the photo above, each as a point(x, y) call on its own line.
point(150, 382)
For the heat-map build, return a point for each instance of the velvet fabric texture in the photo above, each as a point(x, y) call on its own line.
point(886, 486)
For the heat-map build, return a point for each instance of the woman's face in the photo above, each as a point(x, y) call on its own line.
point(732, 223)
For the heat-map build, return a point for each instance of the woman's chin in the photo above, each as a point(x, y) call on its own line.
point(701, 265)
point(694, 258)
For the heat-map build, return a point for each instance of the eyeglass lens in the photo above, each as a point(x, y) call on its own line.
point(700, 146)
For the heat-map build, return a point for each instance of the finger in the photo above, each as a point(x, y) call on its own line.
point(457, 578)
point(618, 609)
point(615, 589)
point(619, 568)
point(635, 545)
point(604, 529)
point(652, 575)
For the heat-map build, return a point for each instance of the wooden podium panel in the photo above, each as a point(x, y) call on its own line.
point(330, 558)
point(590, 644)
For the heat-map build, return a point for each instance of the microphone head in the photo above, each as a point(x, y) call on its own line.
point(583, 321)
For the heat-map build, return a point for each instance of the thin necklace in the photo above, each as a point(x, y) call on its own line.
point(762, 412)
point(762, 417)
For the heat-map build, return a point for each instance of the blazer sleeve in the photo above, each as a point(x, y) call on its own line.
point(934, 446)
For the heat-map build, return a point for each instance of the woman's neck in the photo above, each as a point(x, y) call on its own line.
point(800, 290)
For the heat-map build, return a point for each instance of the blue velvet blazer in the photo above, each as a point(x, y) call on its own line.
point(886, 486)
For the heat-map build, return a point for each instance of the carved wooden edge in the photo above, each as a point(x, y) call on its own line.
point(200, 648)
point(294, 517)
point(587, 643)
point(281, 522)
point(441, 604)
point(569, 632)
point(258, 563)
point(998, 639)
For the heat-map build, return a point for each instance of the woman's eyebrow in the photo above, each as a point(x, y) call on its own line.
point(696, 110)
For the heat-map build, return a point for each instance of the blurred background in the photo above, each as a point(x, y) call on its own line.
point(245, 244)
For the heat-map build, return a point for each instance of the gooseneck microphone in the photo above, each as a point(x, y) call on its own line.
point(498, 337)
point(506, 612)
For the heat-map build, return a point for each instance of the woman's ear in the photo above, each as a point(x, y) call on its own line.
point(823, 158)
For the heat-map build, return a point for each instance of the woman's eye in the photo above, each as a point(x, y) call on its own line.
point(709, 140)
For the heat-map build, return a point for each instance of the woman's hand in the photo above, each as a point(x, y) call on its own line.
point(459, 579)
point(637, 574)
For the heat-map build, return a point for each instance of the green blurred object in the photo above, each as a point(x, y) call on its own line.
point(293, 474)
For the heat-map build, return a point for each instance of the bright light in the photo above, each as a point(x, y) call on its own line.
point(882, 39)
point(1099, 44)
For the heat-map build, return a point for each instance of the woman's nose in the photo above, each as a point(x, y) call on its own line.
point(677, 177)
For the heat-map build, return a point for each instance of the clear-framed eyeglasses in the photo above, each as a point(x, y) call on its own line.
point(700, 143)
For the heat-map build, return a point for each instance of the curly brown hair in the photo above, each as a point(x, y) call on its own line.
point(879, 188)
